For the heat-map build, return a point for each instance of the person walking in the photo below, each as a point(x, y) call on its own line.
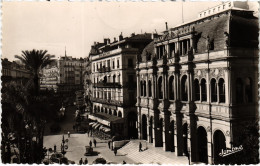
point(90, 143)
point(86, 161)
point(140, 147)
point(109, 144)
point(80, 161)
point(68, 134)
point(115, 151)
point(55, 148)
point(95, 142)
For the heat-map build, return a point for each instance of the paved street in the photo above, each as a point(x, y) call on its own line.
point(66, 124)
point(76, 150)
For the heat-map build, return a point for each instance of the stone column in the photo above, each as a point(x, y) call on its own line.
point(217, 84)
point(139, 121)
point(166, 135)
point(146, 86)
point(200, 91)
point(178, 141)
point(210, 148)
point(189, 86)
point(208, 87)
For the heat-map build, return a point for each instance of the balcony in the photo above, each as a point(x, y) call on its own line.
point(108, 101)
point(107, 85)
point(104, 69)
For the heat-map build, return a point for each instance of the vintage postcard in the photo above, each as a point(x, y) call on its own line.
point(130, 82)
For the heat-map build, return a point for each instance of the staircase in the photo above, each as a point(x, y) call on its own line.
point(152, 155)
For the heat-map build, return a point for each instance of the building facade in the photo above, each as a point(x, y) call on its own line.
point(13, 71)
point(197, 84)
point(64, 76)
point(114, 82)
point(50, 77)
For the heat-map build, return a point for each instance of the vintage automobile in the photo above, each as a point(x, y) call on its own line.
point(99, 161)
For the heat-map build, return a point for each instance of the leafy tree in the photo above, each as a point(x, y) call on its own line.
point(35, 60)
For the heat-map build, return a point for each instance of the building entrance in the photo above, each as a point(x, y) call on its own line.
point(202, 145)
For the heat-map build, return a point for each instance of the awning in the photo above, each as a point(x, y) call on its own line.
point(91, 123)
point(107, 130)
point(94, 125)
point(98, 125)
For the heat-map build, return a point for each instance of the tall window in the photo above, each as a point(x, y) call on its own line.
point(113, 64)
point(114, 78)
point(171, 88)
point(239, 90)
point(144, 88)
point(213, 90)
point(184, 88)
point(118, 63)
point(160, 88)
point(197, 90)
point(221, 85)
point(141, 88)
point(150, 88)
point(203, 90)
point(248, 90)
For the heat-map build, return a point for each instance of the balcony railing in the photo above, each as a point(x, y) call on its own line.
point(104, 69)
point(107, 85)
point(108, 101)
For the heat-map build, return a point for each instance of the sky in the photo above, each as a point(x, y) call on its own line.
point(53, 26)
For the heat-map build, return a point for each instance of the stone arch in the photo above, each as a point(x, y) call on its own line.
point(202, 144)
point(120, 114)
point(219, 143)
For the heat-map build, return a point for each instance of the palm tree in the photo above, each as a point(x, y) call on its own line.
point(35, 60)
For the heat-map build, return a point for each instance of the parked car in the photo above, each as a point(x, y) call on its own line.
point(89, 151)
point(58, 158)
point(99, 161)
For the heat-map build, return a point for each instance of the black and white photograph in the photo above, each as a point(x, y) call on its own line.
point(98, 82)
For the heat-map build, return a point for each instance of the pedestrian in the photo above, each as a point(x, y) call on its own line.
point(55, 148)
point(86, 161)
point(109, 144)
point(140, 147)
point(90, 143)
point(80, 161)
point(115, 151)
point(124, 162)
point(68, 134)
point(95, 142)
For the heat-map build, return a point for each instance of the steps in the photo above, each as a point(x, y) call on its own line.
point(152, 155)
